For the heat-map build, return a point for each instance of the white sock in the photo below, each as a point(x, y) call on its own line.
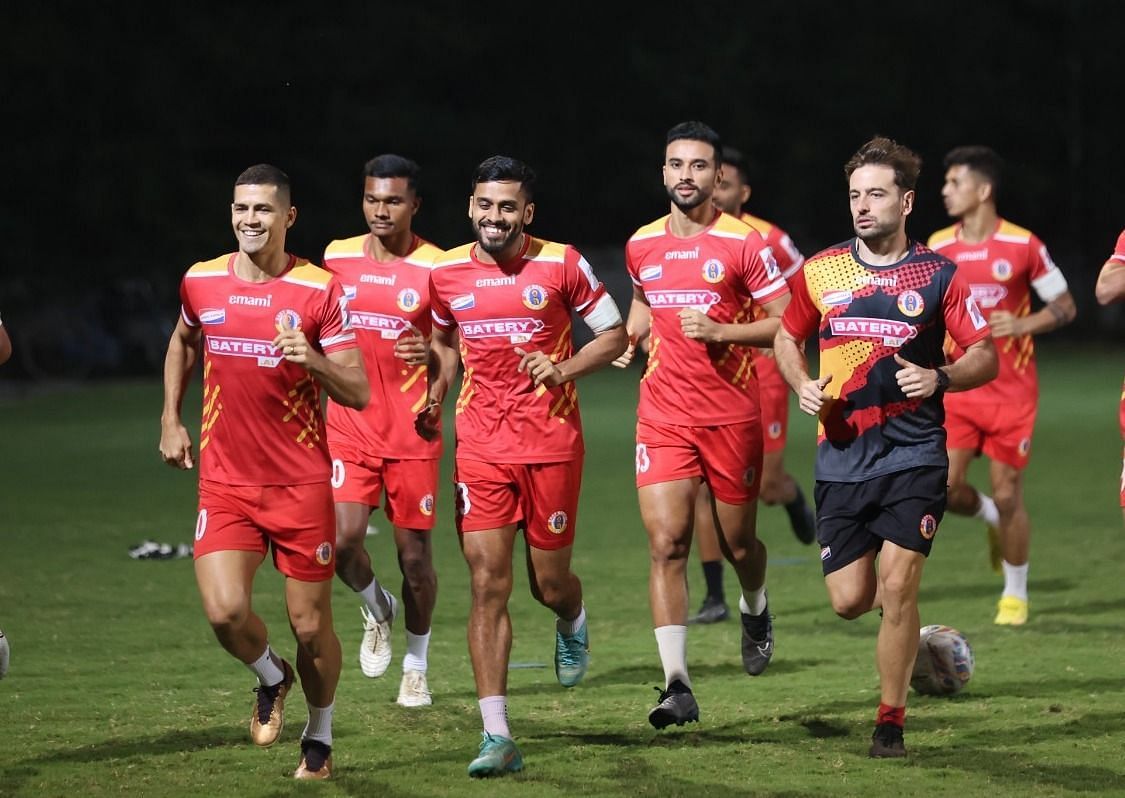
point(754, 602)
point(987, 512)
point(371, 599)
point(569, 628)
point(1015, 580)
point(494, 713)
point(671, 642)
point(416, 648)
point(267, 668)
point(319, 727)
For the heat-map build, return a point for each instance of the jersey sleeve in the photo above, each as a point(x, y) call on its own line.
point(789, 258)
point(1046, 278)
point(1119, 250)
point(439, 307)
point(187, 309)
point(631, 266)
point(964, 322)
point(801, 317)
point(582, 286)
point(763, 277)
point(335, 329)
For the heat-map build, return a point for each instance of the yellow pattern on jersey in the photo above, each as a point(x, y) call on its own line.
point(211, 407)
point(304, 405)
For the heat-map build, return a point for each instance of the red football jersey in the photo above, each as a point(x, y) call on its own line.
point(784, 251)
point(501, 417)
point(262, 423)
point(724, 271)
point(1001, 271)
point(384, 301)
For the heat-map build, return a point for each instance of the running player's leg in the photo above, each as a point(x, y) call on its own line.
point(714, 606)
point(419, 593)
point(1015, 542)
point(318, 662)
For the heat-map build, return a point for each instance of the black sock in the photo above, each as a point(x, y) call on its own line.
point(713, 574)
point(796, 508)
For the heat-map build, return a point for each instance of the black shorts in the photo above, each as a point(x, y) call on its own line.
point(853, 518)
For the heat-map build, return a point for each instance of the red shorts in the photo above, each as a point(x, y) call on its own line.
point(774, 400)
point(410, 485)
point(297, 521)
point(1001, 431)
point(728, 457)
point(544, 497)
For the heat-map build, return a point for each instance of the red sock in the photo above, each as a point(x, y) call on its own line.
point(896, 716)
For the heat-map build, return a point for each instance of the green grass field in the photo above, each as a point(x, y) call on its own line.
point(118, 687)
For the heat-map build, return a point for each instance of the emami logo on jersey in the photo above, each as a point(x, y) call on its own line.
point(651, 273)
point(212, 316)
point(681, 254)
point(702, 300)
point(988, 295)
point(463, 302)
point(892, 333)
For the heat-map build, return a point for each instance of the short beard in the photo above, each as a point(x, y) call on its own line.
point(686, 205)
point(495, 248)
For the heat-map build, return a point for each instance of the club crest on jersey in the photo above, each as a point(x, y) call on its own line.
point(463, 302)
point(988, 295)
point(834, 299)
point(714, 271)
point(911, 304)
point(889, 331)
point(426, 505)
point(212, 316)
point(928, 526)
point(534, 297)
point(287, 319)
point(324, 553)
point(408, 300)
point(648, 273)
point(556, 523)
point(1001, 269)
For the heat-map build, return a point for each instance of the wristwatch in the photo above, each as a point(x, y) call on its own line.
point(942, 380)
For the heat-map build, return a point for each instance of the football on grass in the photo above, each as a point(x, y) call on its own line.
point(945, 661)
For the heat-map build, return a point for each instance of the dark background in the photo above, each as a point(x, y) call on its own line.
point(125, 127)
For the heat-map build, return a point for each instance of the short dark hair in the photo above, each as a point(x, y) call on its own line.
point(734, 157)
point(982, 160)
point(696, 131)
point(391, 165)
point(264, 174)
point(882, 151)
point(502, 169)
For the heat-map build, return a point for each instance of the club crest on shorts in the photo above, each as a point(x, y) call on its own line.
point(535, 297)
point(928, 526)
point(1001, 269)
point(556, 523)
point(426, 505)
point(1025, 447)
point(910, 303)
point(714, 271)
point(749, 477)
point(774, 430)
point(287, 319)
point(408, 300)
point(324, 553)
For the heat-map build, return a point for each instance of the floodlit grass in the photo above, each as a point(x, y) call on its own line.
point(118, 687)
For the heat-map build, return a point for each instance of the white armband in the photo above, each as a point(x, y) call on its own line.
point(603, 316)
